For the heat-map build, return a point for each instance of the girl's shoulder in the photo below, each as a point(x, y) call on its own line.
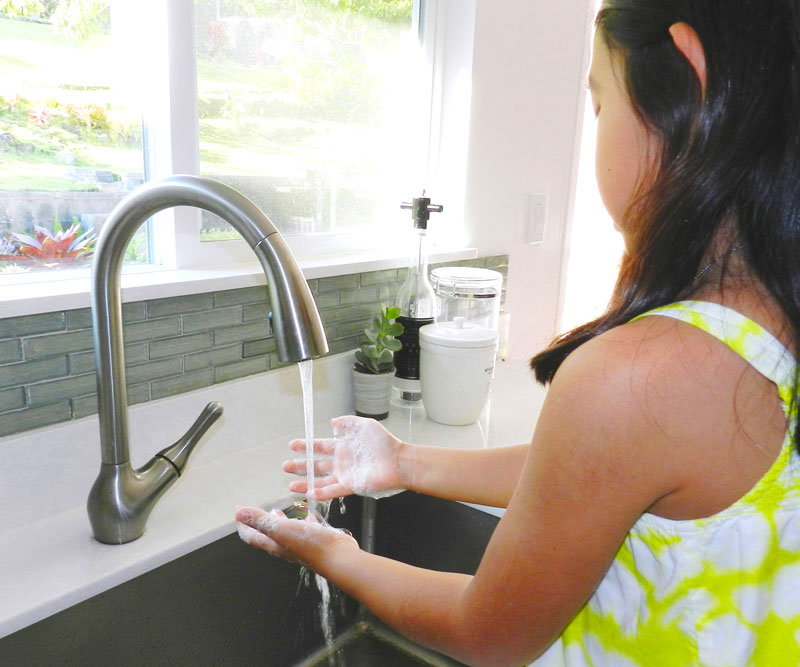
point(627, 393)
point(673, 382)
point(684, 403)
point(652, 350)
point(685, 347)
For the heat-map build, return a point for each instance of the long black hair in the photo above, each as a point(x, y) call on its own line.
point(729, 155)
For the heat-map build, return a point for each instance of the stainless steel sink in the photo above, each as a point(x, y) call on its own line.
point(229, 604)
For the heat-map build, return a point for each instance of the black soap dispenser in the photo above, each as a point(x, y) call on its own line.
point(417, 302)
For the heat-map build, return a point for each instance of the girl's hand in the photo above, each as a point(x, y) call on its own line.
point(362, 458)
point(304, 541)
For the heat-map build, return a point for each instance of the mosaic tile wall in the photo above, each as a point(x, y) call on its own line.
point(172, 345)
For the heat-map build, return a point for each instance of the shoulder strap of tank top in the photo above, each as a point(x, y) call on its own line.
point(750, 340)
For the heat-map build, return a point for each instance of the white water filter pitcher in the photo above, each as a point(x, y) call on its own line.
point(456, 370)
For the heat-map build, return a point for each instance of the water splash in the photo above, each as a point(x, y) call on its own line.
point(326, 619)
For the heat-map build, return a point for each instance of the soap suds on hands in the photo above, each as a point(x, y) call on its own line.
point(360, 463)
point(246, 533)
point(267, 523)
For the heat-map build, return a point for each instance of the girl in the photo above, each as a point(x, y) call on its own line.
point(655, 517)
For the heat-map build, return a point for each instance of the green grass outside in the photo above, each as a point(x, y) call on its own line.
point(27, 30)
point(253, 120)
point(42, 70)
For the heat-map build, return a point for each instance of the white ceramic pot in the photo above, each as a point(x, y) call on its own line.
point(373, 393)
point(456, 369)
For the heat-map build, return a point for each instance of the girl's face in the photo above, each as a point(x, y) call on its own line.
point(623, 152)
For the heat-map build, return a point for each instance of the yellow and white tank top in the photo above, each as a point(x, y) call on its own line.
point(720, 591)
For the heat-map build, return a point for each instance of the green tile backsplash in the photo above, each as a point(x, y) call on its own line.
point(172, 345)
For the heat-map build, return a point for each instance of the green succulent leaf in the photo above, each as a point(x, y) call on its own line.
point(395, 329)
point(394, 345)
point(363, 363)
point(377, 354)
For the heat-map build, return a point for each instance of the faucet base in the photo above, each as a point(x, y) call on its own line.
point(121, 498)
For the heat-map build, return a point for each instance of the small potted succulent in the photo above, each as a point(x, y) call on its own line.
point(374, 367)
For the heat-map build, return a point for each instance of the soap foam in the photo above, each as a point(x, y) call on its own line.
point(246, 533)
point(267, 523)
point(354, 434)
point(362, 460)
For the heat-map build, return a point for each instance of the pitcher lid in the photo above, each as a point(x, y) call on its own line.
point(458, 333)
point(467, 281)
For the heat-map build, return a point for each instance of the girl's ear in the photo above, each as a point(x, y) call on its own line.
point(688, 43)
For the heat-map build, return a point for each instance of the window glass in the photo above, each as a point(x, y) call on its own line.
point(306, 106)
point(70, 139)
point(595, 247)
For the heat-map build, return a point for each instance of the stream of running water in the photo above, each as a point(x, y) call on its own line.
point(306, 381)
point(326, 617)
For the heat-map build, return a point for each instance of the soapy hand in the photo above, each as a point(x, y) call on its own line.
point(304, 541)
point(362, 458)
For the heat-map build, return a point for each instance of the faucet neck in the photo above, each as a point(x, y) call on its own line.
point(298, 326)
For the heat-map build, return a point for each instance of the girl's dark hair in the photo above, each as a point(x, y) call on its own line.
point(729, 155)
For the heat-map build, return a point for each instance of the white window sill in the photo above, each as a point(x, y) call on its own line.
point(69, 290)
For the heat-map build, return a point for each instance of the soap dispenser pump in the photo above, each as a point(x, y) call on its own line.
point(417, 302)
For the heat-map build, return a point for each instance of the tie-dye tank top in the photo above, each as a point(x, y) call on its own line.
point(720, 591)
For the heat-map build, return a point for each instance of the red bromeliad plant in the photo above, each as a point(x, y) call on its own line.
point(46, 249)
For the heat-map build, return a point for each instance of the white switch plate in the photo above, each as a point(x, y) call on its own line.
point(537, 216)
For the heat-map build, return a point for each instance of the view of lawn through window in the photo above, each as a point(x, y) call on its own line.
point(305, 106)
point(69, 149)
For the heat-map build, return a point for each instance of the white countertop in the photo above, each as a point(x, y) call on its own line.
point(48, 558)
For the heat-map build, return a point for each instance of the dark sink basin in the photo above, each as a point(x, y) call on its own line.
point(229, 604)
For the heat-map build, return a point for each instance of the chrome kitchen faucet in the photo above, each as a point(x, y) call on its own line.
point(122, 498)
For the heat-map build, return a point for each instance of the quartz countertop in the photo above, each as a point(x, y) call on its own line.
point(50, 561)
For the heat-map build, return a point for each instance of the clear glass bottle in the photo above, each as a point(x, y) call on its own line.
point(417, 303)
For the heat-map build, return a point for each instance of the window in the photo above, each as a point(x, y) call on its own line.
point(307, 106)
point(595, 247)
point(70, 136)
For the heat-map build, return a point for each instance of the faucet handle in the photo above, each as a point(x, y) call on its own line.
point(178, 453)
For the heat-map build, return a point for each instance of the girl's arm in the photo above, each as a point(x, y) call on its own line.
point(598, 460)
point(482, 476)
point(366, 459)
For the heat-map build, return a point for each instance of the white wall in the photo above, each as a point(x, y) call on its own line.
point(529, 65)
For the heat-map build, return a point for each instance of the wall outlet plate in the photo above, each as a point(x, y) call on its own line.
point(537, 217)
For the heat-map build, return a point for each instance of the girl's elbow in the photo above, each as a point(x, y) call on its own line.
point(484, 646)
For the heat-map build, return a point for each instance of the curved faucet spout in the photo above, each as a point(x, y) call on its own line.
point(298, 331)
